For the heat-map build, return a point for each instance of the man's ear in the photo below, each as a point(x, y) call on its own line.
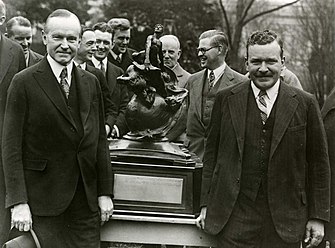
point(246, 63)
point(283, 60)
point(179, 54)
point(2, 20)
point(44, 37)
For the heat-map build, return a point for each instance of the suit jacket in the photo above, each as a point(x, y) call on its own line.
point(328, 115)
point(126, 59)
point(43, 154)
point(195, 128)
point(34, 57)
point(110, 108)
point(182, 75)
point(119, 94)
point(298, 168)
point(11, 61)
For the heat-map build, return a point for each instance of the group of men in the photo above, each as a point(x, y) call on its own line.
point(266, 175)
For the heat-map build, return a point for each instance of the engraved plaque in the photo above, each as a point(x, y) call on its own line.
point(148, 188)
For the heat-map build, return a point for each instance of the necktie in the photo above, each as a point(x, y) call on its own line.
point(262, 105)
point(211, 80)
point(118, 59)
point(102, 68)
point(64, 83)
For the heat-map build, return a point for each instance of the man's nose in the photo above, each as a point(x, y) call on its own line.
point(263, 67)
point(25, 42)
point(65, 43)
point(94, 48)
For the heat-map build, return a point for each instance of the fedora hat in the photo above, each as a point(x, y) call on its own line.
point(22, 239)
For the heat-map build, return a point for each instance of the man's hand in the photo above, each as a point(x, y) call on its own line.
point(106, 207)
point(200, 221)
point(21, 217)
point(314, 233)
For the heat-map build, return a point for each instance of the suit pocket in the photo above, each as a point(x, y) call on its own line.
point(297, 128)
point(37, 165)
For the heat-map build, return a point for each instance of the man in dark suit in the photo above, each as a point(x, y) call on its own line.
point(266, 173)
point(204, 85)
point(85, 52)
point(328, 115)
point(55, 154)
point(120, 54)
point(11, 62)
point(116, 124)
point(19, 30)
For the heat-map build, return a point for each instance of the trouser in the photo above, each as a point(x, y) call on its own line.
point(251, 226)
point(78, 226)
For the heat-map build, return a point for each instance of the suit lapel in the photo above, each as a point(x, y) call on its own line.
point(286, 107)
point(47, 81)
point(110, 74)
point(237, 103)
point(83, 94)
point(226, 78)
point(198, 86)
point(6, 56)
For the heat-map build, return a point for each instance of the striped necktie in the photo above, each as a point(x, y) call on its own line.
point(64, 83)
point(262, 105)
point(211, 80)
point(102, 68)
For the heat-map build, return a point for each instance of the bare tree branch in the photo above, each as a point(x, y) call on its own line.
point(246, 10)
point(228, 31)
point(268, 11)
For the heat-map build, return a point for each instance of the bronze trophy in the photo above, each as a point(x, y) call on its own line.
point(153, 176)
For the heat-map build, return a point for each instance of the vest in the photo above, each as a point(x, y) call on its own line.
point(256, 150)
point(208, 98)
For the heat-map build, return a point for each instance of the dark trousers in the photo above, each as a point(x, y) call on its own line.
point(251, 226)
point(78, 226)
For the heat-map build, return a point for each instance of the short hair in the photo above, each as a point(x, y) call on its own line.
point(263, 38)
point(172, 37)
point(59, 13)
point(2, 8)
point(85, 29)
point(218, 38)
point(16, 20)
point(102, 26)
point(119, 24)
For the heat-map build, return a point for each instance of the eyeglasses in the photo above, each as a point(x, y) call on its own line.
point(204, 50)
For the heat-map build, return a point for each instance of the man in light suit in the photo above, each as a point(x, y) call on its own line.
point(116, 125)
point(19, 30)
point(266, 173)
point(171, 55)
point(55, 154)
point(204, 85)
point(11, 62)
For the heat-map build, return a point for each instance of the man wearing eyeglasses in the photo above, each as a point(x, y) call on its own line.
point(204, 85)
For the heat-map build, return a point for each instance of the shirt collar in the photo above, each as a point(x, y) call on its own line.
point(57, 68)
point(271, 93)
point(115, 55)
point(96, 62)
point(218, 71)
point(82, 65)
